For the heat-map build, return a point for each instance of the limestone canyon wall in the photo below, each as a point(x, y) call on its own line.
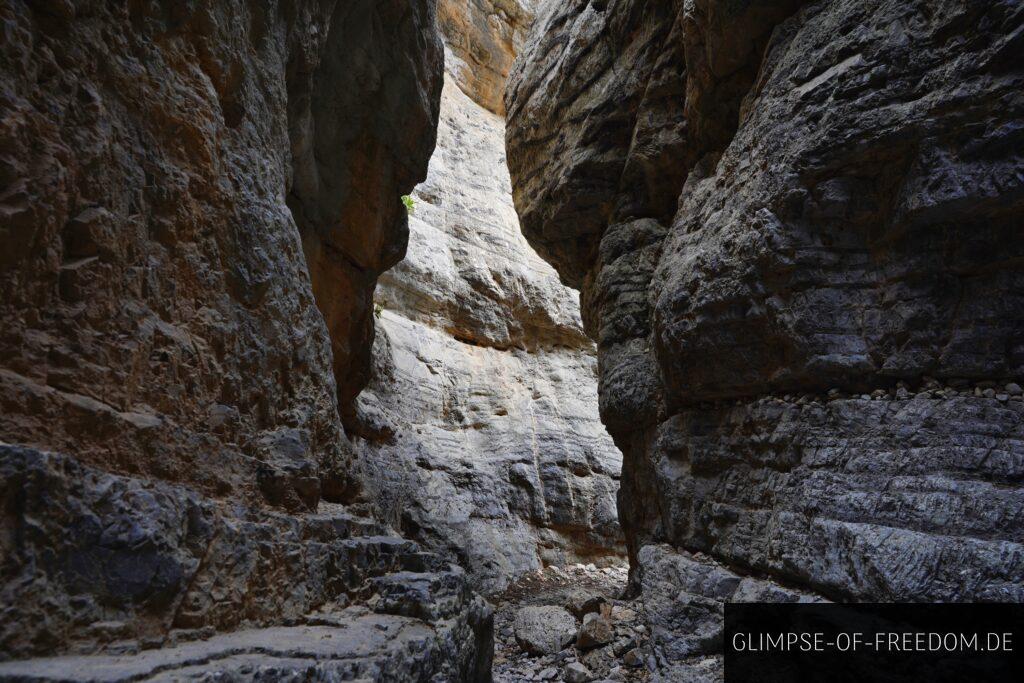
point(796, 226)
point(181, 185)
point(479, 434)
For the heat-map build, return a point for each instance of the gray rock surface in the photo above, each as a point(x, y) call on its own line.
point(363, 647)
point(794, 227)
point(544, 630)
point(101, 563)
point(683, 598)
point(479, 433)
point(576, 673)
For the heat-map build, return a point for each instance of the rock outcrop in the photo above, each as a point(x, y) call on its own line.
point(362, 117)
point(478, 434)
point(181, 186)
point(795, 226)
point(159, 318)
point(97, 562)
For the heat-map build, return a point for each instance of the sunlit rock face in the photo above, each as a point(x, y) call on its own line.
point(169, 422)
point(482, 38)
point(479, 432)
point(795, 229)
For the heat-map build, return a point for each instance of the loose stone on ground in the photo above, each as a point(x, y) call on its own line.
point(607, 640)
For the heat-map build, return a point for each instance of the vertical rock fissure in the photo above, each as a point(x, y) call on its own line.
point(482, 404)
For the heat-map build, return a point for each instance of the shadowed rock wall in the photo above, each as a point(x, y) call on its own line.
point(361, 121)
point(795, 226)
point(160, 319)
point(164, 367)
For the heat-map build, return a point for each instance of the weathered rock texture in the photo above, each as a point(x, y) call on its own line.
point(162, 166)
point(766, 201)
point(158, 313)
point(362, 118)
point(482, 39)
point(100, 562)
point(479, 431)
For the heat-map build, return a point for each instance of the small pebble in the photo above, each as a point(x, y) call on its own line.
point(576, 673)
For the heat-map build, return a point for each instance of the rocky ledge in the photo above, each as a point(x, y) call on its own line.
point(136, 579)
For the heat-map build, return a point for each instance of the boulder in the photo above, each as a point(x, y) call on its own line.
point(596, 630)
point(582, 602)
point(544, 630)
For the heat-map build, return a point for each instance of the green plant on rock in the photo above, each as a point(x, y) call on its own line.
point(378, 310)
point(410, 204)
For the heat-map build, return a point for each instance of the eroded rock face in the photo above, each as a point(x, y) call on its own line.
point(159, 318)
point(163, 361)
point(95, 562)
point(482, 39)
point(479, 432)
point(362, 119)
point(794, 228)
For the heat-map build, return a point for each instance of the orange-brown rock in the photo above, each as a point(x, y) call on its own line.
point(482, 38)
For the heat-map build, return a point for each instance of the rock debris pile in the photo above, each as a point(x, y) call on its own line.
point(570, 624)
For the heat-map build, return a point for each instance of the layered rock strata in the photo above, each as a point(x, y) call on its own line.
point(196, 200)
point(795, 229)
point(479, 434)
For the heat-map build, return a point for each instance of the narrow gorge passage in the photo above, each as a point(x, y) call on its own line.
point(237, 439)
point(478, 434)
point(476, 341)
